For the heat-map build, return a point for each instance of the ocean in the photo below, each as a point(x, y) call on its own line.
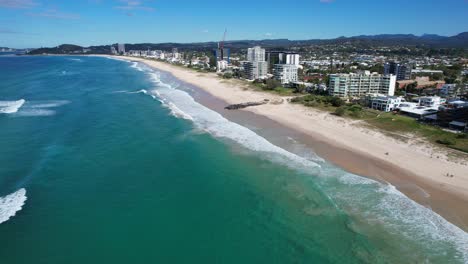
point(109, 161)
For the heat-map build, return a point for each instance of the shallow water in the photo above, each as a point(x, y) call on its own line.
point(120, 164)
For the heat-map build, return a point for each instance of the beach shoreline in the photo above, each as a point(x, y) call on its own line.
point(416, 169)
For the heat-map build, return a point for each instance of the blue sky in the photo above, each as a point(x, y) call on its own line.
point(36, 23)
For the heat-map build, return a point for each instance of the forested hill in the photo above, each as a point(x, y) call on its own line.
point(459, 41)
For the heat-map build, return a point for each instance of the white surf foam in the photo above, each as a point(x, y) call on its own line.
point(36, 108)
point(139, 91)
point(11, 204)
point(114, 58)
point(383, 204)
point(75, 59)
point(36, 112)
point(137, 66)
point(47, 104)
point(182, 105)
point(10, 107)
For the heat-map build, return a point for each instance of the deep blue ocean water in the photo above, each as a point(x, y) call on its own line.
point(107, 161)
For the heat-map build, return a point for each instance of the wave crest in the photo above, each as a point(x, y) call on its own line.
point(10, 107)
point(11, 204)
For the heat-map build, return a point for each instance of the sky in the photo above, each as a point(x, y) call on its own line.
point(48, 23)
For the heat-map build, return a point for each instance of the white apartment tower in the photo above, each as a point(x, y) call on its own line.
point(256, 67)
point(256, 54)
point(356, 85)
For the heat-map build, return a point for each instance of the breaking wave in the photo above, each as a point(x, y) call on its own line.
point(75, 59)
point(11, 204)
point(32, 108)
point(10, 107)
point(182, 105)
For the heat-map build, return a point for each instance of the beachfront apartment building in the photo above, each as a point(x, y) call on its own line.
point(255, 67)
point(254, 70)
point(360, 84)
point(285, 73)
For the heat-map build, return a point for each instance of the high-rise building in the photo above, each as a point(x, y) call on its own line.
point(121, 48)
point(256, 54)
point(281, 57)
point(256, 67)
point(223, 54)
point(356, 85)
point(401, 71)
point(223, 58)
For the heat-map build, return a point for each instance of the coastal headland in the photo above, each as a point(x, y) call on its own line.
point(430, 175)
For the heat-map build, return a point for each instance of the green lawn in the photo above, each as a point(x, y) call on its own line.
point(398, 123)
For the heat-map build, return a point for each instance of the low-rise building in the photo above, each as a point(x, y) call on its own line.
point(424, 71)
point(456, 110)
point(430, 101)
point(415, 110)
point(386, 103)
point(285, 73)
point(221, 65)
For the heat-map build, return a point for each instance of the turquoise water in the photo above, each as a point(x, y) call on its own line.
point(118, 164)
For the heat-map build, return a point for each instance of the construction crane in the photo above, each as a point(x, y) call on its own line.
point(221, 45)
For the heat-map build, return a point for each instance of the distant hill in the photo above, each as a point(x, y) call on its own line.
point(427, 40)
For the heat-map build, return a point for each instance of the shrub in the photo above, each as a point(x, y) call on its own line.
point(340, 111)
point(336, 101)
point(311, 103)
point(446, 141)
point(272, 84)
point(355, 108)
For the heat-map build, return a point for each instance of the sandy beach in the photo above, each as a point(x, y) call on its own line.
point(416, 168)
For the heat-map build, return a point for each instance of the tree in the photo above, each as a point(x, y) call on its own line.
point(299, 88)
